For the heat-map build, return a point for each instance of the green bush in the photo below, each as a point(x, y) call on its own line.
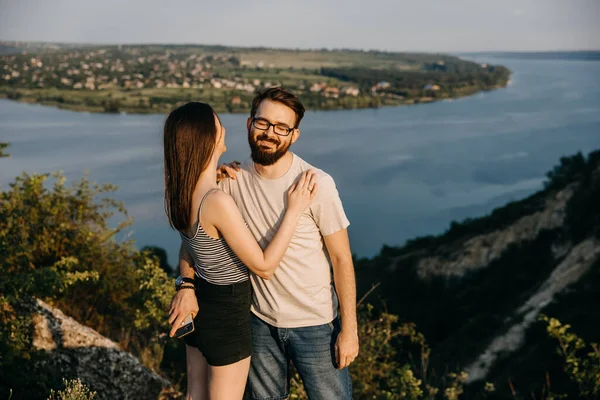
point(582, 367)
point(386, 368)
point(74, 390)
point(2, 147)
point(57, 245)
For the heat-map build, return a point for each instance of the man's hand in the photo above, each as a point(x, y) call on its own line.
point(228, 170)
point(346, 348)
point(184, 303)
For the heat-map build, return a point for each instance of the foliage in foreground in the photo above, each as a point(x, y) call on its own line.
point(74, 390)
point(580, 363)
point(393, 363)
point(2, 147)
point(58, 245)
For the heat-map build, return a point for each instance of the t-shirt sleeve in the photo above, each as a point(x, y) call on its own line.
point(225, 185)
point(327, 209)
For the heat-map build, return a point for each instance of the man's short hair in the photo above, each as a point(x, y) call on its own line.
point(282, 96)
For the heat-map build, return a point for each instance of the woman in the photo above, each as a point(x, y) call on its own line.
point(222, 247)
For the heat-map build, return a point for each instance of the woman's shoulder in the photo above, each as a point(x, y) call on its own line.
point(218, 200)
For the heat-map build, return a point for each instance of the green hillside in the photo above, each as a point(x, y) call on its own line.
point(466, 287)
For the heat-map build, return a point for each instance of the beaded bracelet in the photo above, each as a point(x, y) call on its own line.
point(186, 287)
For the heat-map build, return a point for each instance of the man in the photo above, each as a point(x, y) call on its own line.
point(294, 314)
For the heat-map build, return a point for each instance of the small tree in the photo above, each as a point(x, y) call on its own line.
point(2, 147)
point(160, 255)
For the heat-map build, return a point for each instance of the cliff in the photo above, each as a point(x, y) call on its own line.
point(476, 291)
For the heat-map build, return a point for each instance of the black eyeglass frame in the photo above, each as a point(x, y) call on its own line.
point(269, 125)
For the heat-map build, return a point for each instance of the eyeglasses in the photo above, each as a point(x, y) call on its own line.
point(264, 125)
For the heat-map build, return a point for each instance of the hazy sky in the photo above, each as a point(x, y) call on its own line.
point(419, 25)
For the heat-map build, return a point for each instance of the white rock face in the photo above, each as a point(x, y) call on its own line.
point(575, 264)
point(480, 250)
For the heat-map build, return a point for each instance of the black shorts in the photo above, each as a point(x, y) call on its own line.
point(222, 326)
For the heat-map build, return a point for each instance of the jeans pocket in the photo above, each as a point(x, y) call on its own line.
point(334, 325)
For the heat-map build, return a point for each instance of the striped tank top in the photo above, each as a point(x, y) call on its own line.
point(214, 261)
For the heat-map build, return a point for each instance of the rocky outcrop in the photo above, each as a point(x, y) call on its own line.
point(477, 252)
point(78, 351)
point(480, 250)
point(574, 265)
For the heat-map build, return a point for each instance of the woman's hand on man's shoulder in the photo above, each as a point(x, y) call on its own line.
point(228, 170)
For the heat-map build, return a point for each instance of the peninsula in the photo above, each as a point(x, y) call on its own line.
point(156, 78)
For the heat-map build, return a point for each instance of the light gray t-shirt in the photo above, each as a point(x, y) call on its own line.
point(301, 291)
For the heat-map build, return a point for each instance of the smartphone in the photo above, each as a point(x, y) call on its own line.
point(187, 326)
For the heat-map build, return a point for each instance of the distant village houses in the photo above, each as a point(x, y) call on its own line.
point(430, 86)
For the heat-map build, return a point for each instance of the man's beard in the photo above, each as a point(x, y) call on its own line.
point(266, 157)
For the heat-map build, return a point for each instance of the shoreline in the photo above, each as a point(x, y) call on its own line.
point(24, 96)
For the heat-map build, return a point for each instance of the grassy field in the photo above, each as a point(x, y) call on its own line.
point(318, 59)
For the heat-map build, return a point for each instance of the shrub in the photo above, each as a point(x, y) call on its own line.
point(74, 390)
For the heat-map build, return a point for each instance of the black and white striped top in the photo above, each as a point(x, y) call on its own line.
point(214, 261)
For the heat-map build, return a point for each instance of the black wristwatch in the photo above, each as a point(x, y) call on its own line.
point(182, 279)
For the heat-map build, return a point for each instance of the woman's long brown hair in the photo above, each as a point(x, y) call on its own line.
point(190, 135)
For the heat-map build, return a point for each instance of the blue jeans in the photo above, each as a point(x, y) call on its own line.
point(310, 348)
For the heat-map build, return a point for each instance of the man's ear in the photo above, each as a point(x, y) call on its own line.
point(295, 135)
point(248, 123)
